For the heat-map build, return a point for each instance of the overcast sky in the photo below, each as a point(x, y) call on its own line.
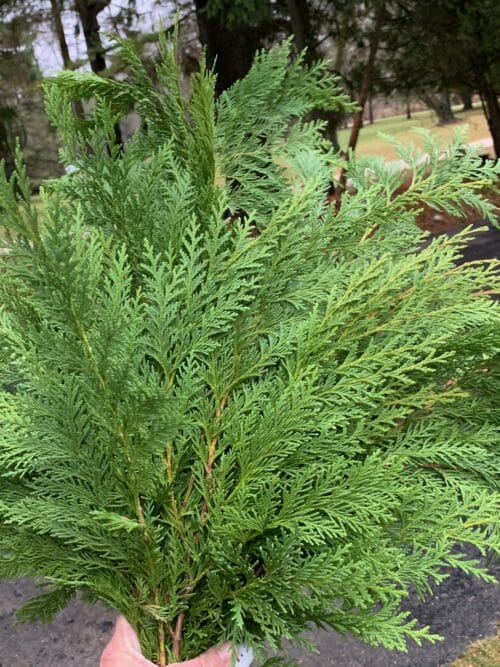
point(47, 47)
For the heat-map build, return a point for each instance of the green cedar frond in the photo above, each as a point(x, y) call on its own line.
point(238, 411)
point(45, 606)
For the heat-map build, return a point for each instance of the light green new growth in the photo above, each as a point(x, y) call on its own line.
point(239, 412)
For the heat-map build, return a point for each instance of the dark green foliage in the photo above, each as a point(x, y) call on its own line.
point(239, 11)
point(231, 433)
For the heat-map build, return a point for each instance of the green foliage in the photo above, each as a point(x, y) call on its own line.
point(456, 64)
point(239, 11)
point(239, 412)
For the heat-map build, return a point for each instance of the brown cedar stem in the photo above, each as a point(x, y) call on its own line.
point(213, 442)
point(177, 636)
point(176, 633)
point(137, 501)
point(162, 655)
point(211, 452)
point(366, 85)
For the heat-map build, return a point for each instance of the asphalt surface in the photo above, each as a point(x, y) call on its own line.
point(463, 610)
point(485, 244)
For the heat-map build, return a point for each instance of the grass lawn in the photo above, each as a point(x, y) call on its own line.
point(484, 653)
point(401, 128)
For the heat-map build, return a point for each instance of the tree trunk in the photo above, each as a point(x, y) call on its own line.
point(370, 109)
point(367, 77)
point(440, 103)
point(336, 118)
point(366, 84)
point(333, 120)
point(466, 98)
point(304, 39)
point(445, 112)
point(492, 109)
point(59, 29)
point(63, 46)
point(301, 27)
point(88, 11)
point(408, 109)
point(230, 47)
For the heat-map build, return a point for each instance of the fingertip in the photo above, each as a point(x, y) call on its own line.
point(125, 633)
point(224, 652)
point(218, 656)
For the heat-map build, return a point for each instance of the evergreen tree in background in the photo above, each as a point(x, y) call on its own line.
point(239, 411)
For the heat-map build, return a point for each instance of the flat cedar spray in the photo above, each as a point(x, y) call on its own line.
point(239, 411)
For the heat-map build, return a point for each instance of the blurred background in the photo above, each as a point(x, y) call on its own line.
point(431, 64)
point(408, 63)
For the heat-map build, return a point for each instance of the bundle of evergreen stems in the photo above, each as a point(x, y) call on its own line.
point(240, 411)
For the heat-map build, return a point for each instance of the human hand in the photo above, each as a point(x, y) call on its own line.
point(124, 650)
